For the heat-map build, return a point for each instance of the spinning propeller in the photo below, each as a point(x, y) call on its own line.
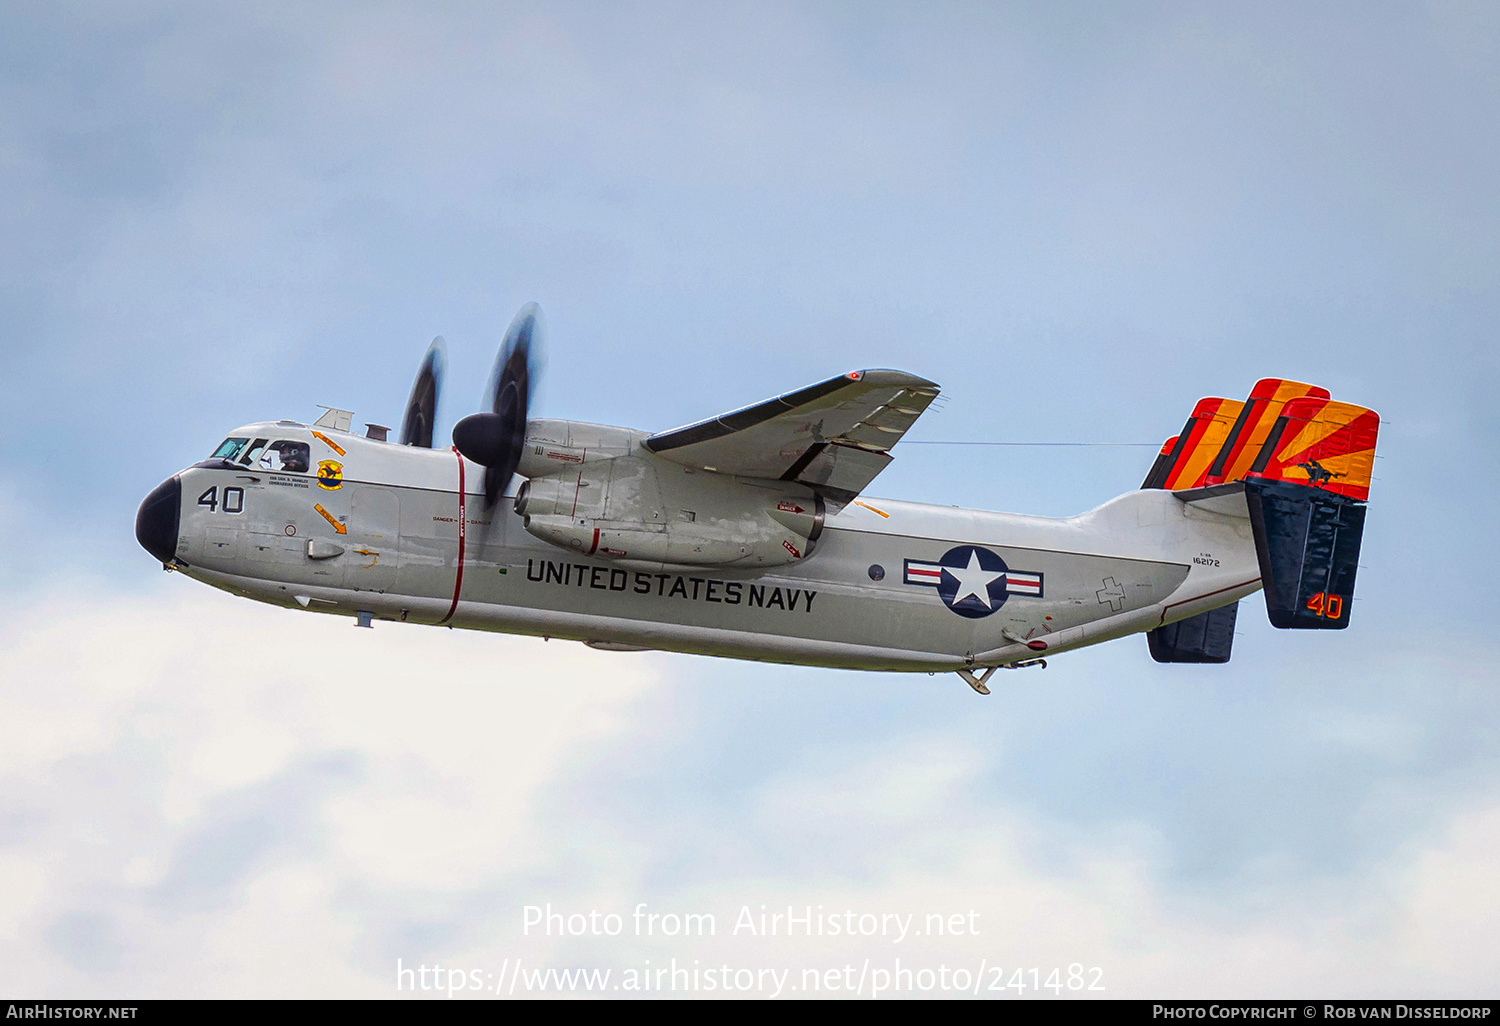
point(494, 440)
point(421, 408)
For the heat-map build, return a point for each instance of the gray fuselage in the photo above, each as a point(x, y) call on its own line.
point(888, 585)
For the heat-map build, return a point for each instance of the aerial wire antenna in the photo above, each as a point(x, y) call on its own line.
point(1129, 445)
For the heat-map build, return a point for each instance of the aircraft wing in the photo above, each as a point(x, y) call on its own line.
point(834, 436)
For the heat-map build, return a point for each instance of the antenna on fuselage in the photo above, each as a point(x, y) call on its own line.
point(334, 419)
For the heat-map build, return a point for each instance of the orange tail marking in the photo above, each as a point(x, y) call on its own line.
point(1254, 423)
point(1204, 436)
point(1324, 444)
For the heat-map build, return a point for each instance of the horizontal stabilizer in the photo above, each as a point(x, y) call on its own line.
point(1205, 638)
point(1225, 499)
point(1307, 540)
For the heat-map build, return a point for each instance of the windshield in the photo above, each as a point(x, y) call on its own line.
point(229, 449)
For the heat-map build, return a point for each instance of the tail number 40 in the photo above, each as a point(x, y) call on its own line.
point(1330, 606)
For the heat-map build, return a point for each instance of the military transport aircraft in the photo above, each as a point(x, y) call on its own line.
point(748, 535)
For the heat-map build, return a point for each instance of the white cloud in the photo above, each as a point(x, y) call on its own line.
point(202, 796)
point(191, 782)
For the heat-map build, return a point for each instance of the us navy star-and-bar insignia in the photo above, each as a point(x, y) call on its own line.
point(973, 581)
point(330, 475)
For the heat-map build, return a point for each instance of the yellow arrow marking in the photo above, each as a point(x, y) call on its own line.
point(328, 442)
point(340, 528)
point(872, 509)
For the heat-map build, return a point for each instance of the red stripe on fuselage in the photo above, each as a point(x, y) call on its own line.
point(458, 578)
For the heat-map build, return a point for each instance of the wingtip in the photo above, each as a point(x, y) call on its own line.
point(888, 376)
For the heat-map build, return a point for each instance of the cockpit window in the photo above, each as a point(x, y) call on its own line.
point(286, 457)
point(229, 449)
point(253, 451)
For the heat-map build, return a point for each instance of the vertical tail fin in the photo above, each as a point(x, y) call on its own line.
point(1205, 638)
point(1257, 417)
point(1225, 440)
point(1322, 444)
point(1306, 492)
point(1165, 460)
point(1306, 463)
point(1184, 461)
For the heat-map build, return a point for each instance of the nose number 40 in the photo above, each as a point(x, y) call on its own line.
point(234, 500)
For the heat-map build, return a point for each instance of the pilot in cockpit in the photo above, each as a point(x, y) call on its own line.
point(294, 457)
point(286, 457)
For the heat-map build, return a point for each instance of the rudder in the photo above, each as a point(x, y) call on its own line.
point(1307, 541)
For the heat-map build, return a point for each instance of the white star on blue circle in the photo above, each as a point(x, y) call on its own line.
point(973, 583)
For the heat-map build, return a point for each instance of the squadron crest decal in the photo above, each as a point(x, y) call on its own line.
point(330, 475)
point(973, 581)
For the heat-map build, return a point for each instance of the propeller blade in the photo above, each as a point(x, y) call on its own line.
point(494, 440)
point(421, 408)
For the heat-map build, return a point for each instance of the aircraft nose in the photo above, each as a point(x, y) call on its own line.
point(156, 523)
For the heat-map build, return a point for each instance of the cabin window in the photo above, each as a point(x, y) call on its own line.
point(229, 449)
point(286, 457)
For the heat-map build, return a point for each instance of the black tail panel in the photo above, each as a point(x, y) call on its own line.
point(1308, 543)
point(1205, 638)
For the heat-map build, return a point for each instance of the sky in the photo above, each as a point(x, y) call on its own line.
point(1077, 218)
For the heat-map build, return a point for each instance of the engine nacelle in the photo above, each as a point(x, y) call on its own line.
point(624, 503)
point(681, 545)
